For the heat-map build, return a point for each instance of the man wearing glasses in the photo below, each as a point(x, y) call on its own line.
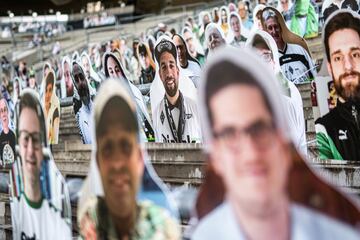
point(33, 215)
point(250, 148)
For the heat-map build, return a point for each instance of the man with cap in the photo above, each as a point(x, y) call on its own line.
point(338, 132)
point(295, 61)
point(83, 115)
point(175, 117)
point(189, 66)
point(250, 148)
point(118, 165)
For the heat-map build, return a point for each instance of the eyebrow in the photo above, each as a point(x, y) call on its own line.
point(171, 61)
point(351, 49)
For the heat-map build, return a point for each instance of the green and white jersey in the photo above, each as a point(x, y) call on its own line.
point(37, 220)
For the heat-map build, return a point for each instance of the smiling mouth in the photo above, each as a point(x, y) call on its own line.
point(170, 82)
point(30, 163)
point(349, 78)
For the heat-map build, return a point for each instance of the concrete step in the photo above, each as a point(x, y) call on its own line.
point(179, 170)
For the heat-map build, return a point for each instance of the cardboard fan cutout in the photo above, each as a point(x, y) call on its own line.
point(39, 198)
point(122, 196)
point(51, 105)
point(258, 168)
point(7, 135)
point(82, 102)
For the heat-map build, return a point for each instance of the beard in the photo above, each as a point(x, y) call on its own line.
point(351, 91)
point(84, 94)
point(171, 90)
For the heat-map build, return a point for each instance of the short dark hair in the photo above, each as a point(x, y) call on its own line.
point(116, 106)
point(339, 21)
point(29, 100)
point(225, 74)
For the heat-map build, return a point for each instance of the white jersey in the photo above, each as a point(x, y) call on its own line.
point(157, 90)
point(37, 221)
point(84, 122)
point(305, 224)
point(164, 132)
point(296, 64)
point(192, 71)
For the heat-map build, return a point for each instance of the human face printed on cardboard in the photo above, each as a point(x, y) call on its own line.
point(4, 113)
point(215, 39)
point(30, 146)
point(48, 94)
point(248, 152)
point(81, 84)
point(113, 68)
point(223, 16)
point(190, 43)
point(181, 50)
point(169, 73)
point(344, 64)
point(120, 165)
point(235, 26)
point(273, 27)
point(68, 81)
point(86, 65)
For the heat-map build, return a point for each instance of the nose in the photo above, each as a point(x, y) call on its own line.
point(247, 149)
point(30, 147)
point(118, 162)
point(348, 63)
point(272, 31)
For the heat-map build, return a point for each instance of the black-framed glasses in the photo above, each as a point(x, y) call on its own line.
point(26, 136)
point(261, 132)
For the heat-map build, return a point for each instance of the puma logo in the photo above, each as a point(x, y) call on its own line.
point(343, 134)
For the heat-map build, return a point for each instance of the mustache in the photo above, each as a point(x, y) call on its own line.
point(349, 74)
point(169, 79)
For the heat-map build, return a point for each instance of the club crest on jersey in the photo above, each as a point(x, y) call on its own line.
point(188, 115)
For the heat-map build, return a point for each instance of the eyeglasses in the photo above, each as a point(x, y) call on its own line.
point(4, 110)
point(25, 137)
point(260, 132)
point(266, 56)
